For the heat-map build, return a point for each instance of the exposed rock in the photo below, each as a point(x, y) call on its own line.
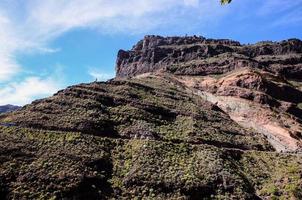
point(254, 100)
point(200, 56)
point(258, 77)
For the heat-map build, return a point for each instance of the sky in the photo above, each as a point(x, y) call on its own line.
point(48, 45)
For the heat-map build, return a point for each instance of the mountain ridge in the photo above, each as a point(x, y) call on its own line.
point(182, 120)
point(165, 53)
point(8, 108)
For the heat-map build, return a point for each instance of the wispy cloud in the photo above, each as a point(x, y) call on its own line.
point(29, 26)
point(46, 50)
point(291, 18)
point(276, 6)
point(9, 43)
point(20, 93)
point(287, 12)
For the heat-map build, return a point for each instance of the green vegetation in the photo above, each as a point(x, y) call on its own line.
point(297, 84)
point(275, 178)
point(138, 139)
point(53, 165)
point(149, 108)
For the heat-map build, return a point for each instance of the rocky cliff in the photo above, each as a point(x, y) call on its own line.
point(185, 118)
point(201, 56)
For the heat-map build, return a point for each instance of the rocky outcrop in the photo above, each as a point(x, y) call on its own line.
point(201, 56)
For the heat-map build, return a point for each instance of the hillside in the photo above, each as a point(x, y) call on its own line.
point(8, 108)
point(185, 118)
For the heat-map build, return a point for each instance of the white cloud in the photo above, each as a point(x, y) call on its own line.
point(20, 93)
point(8, 43)
point(29, 26)
point(48, 19)
point(48, 50)
point(99, 75)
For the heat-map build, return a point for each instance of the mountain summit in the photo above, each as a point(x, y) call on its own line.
point(185, 118)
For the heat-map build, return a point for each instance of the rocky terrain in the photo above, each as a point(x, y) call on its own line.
point(185, 118)
point(258, 86)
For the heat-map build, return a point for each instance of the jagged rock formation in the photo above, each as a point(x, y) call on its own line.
point(200, 56)
point(186, 118)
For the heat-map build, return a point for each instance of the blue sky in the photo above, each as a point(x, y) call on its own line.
point(50, 44)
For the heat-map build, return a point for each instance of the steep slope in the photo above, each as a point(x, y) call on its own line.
point(257, 100)
point(186, 118)
point(146, 108)
point(258, 86)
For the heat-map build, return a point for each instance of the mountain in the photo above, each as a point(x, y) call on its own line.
point(242, 80)
point(185, 118)
point(8, 108)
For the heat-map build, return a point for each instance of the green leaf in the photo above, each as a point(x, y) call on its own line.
point(223, 2)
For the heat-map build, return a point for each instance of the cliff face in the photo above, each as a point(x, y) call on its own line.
point(185, 118)
point(200, 56)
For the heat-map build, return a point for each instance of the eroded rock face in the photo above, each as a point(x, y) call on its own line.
point(201, 56)
point(243, 80)
point(254, 99)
